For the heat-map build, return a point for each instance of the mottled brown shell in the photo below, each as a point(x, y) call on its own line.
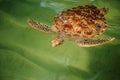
point(83, 21)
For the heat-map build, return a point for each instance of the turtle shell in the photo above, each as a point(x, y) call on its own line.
point(81, 22)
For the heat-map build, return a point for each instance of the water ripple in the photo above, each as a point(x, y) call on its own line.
point(56, 6)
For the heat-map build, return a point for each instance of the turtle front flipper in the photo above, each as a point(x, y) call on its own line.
point(39, 26)
point(92, 42)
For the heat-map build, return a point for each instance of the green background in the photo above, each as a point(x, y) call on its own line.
point(26, 54)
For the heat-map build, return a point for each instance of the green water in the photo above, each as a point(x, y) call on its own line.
point(26, 54)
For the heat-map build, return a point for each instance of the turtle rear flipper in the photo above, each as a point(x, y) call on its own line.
point(39, 26)
point(91, 42)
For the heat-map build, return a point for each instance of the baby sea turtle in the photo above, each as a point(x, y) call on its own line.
point(80, 24)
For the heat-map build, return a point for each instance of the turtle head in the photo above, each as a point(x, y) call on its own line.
point(104, 10)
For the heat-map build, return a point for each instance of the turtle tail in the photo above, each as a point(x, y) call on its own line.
point(91, 42)
point(39, 26)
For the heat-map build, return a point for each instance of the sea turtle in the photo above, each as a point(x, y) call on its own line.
point(81, 24)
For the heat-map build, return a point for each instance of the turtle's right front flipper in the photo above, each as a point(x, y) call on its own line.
point(93, 42)
point(39, 26)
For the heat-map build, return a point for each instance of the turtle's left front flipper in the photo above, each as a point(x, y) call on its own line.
point(39, 26)
point(92, 42)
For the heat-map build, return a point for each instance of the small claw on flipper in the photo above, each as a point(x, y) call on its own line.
point(92, 42)
point(39, 26)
